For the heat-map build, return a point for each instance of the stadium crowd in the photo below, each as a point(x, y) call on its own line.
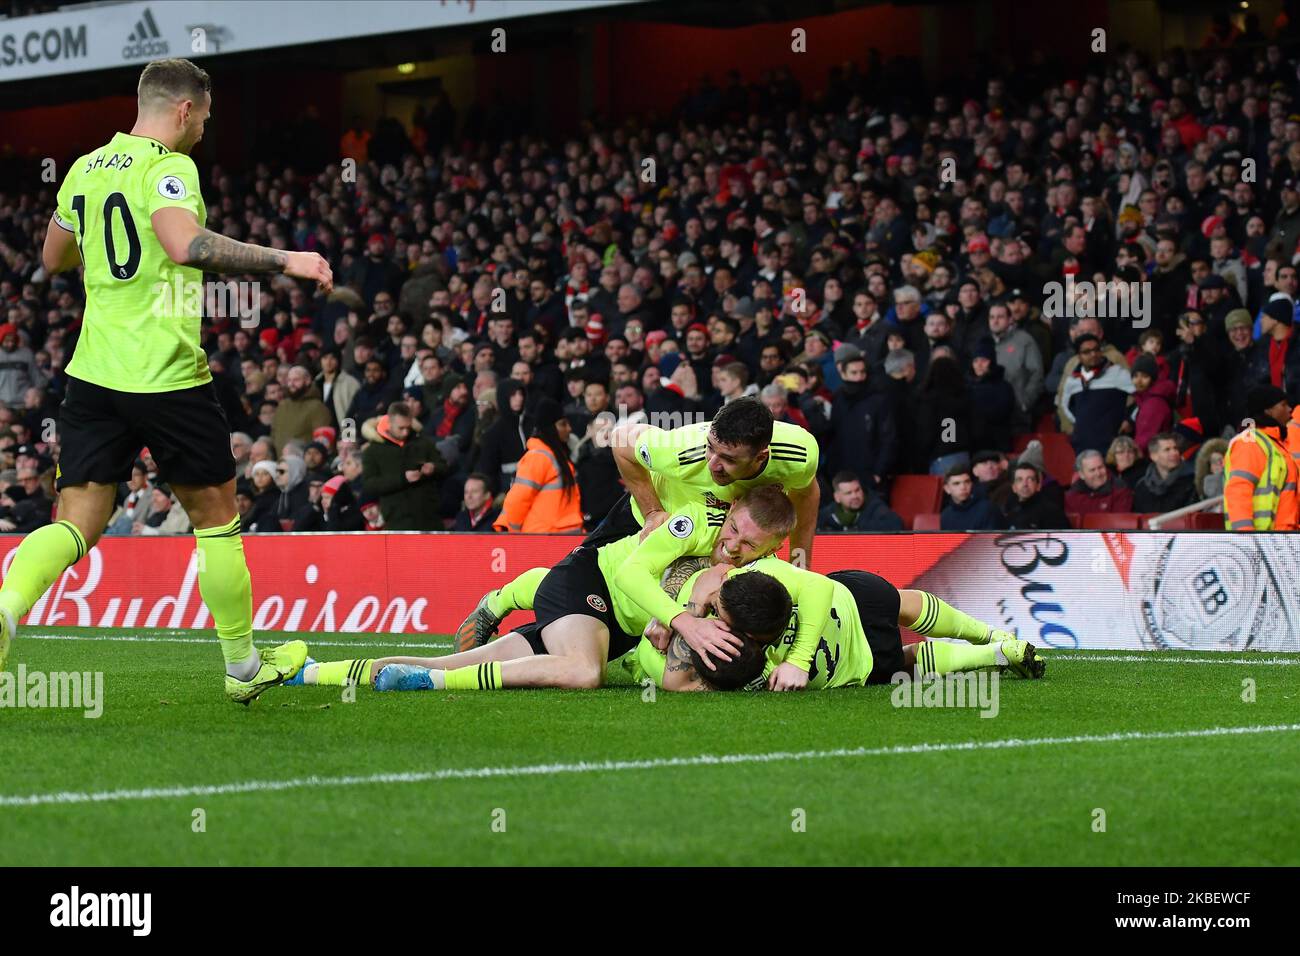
point(876, 264)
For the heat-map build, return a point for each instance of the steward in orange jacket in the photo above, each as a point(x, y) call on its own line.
point(544, 498)
point(1260, 474)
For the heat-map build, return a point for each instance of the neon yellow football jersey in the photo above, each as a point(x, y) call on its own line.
point(143, 311)
point(675, 460)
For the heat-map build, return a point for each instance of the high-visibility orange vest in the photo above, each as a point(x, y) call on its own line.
point(1259, 483)
point(537, 502)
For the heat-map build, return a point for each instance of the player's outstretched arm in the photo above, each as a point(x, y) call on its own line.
point(60, 252)
point(679, 673)
point(189, 244)
point(806, 503)
point(636, 476)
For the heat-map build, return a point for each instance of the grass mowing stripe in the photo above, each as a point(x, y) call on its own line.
point(306, 636)
point(606, 766)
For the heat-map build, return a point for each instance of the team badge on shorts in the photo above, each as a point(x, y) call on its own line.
point(597, 603)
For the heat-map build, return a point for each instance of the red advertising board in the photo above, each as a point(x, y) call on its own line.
point(1199, 591)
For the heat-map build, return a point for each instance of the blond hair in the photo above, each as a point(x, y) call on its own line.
point(164, 82)
point(770, 508)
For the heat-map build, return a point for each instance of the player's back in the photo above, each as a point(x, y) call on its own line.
point(143, 311)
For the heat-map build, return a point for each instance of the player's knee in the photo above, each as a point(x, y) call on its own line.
point(588, 675)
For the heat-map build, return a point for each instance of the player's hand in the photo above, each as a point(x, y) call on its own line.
point(787, 677)
point(653, 520)
point(413, 474)
point(708, 637)
point(309, 265)
point(658, 634)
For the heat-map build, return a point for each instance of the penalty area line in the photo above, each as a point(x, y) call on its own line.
point(62, 798)
point(1149, 657)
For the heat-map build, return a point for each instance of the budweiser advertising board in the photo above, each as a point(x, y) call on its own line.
point(1152, 590)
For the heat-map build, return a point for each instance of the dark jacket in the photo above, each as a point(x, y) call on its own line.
point(944, 426)
point(864, 440)
point(405, 505)
point(1098, 405)
point(1259, 373)
point(992, 405)
point(1038, 512)
point(466, 522)
point(1154, 495)
point(977, 514)
point(874, 516)
point(263, 517)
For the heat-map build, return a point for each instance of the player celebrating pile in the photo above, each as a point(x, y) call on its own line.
point(131, 213)
point(708, 463)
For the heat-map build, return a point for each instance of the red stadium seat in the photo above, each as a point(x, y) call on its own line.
point(1047, 423)
point(912, 495)
point(1111, 521)
point(928, 521)
point(1058, 453)
point(1208, 521)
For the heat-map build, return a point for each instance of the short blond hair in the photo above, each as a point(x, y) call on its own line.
point(164, 82)
point(770, 508)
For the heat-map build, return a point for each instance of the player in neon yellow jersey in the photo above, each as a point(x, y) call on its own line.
point(595, 604)
point(710, 463)
point(131, 213)
point(860, 641)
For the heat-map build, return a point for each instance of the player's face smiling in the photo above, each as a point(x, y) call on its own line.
point(741, 540)
point(728, 463)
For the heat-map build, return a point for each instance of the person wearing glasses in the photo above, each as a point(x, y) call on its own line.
point(1095, 396)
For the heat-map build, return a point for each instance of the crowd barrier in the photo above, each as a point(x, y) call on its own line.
point(1069, 589)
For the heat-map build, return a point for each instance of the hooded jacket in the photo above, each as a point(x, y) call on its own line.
point(405, 505)
point(1154, 411)
point(1096, 406)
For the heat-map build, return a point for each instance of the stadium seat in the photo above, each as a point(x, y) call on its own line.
point(1076, 520)
point(1058, 453)
point(1046, 423)
point(928, 521)
point(912, 495)
point(1112, 521)
point(1208, 521)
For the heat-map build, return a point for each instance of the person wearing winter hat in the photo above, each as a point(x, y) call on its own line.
point(1259, 493)
point(1276, 357)
point(1152, 411)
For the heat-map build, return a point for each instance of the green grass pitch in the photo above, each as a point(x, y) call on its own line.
point(606, 777)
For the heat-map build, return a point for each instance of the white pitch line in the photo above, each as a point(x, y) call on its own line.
point(152, 639)
point(1150, 658)
point(1145, 657)
point(611, 766)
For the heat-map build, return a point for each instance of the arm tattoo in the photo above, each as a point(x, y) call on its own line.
point(679, 658)
point(216, 253)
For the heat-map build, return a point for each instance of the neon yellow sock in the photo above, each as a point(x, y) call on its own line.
point(227, 588)
point(518, 594)
point(43, 555)
point(474, 677)
point(339, 673)
point(937, 657)
point(938, 618)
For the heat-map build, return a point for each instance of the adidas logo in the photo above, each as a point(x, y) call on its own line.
point(145, 40)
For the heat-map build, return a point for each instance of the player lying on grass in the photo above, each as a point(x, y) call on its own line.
point(711, 464)
point(590, 606)
point(827, 628)
point(861, 642)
